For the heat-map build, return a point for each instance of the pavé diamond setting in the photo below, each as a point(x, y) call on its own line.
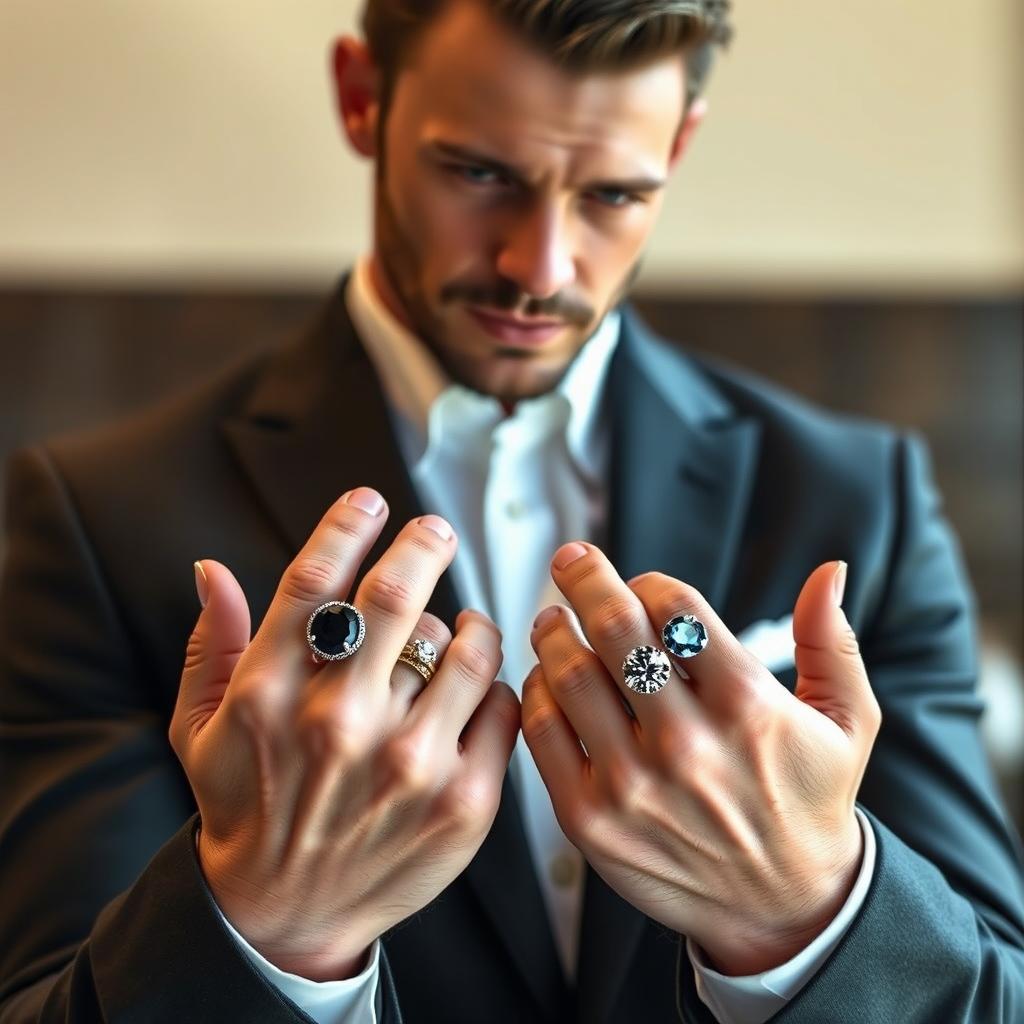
point(684, 636)
point(420, 655)
point(646, 669)
point(335, 631)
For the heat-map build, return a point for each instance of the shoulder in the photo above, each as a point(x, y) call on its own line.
point(161, 437)
point(788, 423)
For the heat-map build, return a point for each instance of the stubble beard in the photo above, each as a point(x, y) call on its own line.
point(398, 258)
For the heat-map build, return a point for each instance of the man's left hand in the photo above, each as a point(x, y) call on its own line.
point(723, 805)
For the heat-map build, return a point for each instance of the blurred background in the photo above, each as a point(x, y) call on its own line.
point(174, 190)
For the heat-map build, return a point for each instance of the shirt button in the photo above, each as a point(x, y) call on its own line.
point(564, 870)
point(515, 509)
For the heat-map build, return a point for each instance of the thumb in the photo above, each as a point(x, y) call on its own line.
point(830, 672)
point(220, 637)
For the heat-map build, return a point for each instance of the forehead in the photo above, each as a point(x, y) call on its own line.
point(472, 79)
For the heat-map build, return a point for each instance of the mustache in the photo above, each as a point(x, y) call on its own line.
point(506, 297)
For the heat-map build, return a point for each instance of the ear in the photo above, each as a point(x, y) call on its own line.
point(692, 120)
point(356, 93)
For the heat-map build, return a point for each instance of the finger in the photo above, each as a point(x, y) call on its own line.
point(553, 742)
point(490, 737)
point(830, 672)
point(220, 637)
point(725, 673)
point(393, 595)
point(406, 682)
point(615, 621)
point(578, 681)
point(464, 677)
point(322, 571)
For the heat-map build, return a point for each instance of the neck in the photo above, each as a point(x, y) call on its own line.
point(386, 293)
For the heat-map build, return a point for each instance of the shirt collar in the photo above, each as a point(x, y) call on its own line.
point(414, 381)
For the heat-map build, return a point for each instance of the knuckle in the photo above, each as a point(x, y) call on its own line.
point(345, 525)
point(430, 627)
point(616, 622)
point(507, 704)
point(387, 593)
point(425, 540)
point(574, 677)
point(757, 712)
point(471, 662)
point(681, 750)
point(688, 596)
point(194, 650)
point(250, 707)
point(309, 580)
point(624, 785)
point(849, 646)
point(333, 735)
point(410, 763)
point(469, 800)
point(541, 724)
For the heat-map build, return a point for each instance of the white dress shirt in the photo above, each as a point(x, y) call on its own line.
point(516, 487)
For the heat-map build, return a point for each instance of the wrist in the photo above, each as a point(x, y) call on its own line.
point(755, 949)
point(249, 920)
point(317, 967)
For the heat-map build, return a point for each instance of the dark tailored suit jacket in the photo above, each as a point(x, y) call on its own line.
point(716, 478)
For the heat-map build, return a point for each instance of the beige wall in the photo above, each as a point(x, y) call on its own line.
point(854, 145)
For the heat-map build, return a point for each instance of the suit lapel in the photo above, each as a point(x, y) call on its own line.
point(682, 470)
point(315, 425)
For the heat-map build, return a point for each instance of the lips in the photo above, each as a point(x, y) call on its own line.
point(516, 331)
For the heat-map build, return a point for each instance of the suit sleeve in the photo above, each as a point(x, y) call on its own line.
point(105, 913)
point(940, 935)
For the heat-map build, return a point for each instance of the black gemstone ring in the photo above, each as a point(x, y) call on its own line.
point(335, 631)
point(684, 636)
point(646, 669)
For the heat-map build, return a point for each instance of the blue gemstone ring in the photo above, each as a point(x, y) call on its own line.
point(684, 636)
point(335, 631)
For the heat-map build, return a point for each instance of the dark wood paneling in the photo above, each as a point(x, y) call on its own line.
point(953, 370)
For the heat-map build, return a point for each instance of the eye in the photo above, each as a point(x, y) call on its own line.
point(476, 175)
point(616, 198)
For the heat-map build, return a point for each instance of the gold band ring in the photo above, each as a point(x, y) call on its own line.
point(420, 655)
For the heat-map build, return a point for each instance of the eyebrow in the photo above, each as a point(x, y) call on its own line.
point(472, 156)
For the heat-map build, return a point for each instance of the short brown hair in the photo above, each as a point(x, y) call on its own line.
point(581, 35)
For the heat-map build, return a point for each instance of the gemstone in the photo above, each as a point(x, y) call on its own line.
point(335, 630)
point(646, 669)
point(425, 651)
point(685, 636)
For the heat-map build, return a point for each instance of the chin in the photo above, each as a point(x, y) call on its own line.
point(517, 381)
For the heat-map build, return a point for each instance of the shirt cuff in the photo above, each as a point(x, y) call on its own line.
point(350, 1001)
point(755, 998)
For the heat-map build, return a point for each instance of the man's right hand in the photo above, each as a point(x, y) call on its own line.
point(338, 799)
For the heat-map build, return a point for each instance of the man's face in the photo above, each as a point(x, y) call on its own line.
point(513, 199)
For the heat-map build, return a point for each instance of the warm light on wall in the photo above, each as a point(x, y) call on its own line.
point(850, 145)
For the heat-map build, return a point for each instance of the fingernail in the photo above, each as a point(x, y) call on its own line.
point(438, 525)
point(567, 554)
point(367, 499)
point(839, 582)
point(202, 583)
point(546, 616)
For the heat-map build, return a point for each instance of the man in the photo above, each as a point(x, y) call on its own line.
point(685, 838)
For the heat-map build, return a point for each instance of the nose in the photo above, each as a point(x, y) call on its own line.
point(536, 252)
